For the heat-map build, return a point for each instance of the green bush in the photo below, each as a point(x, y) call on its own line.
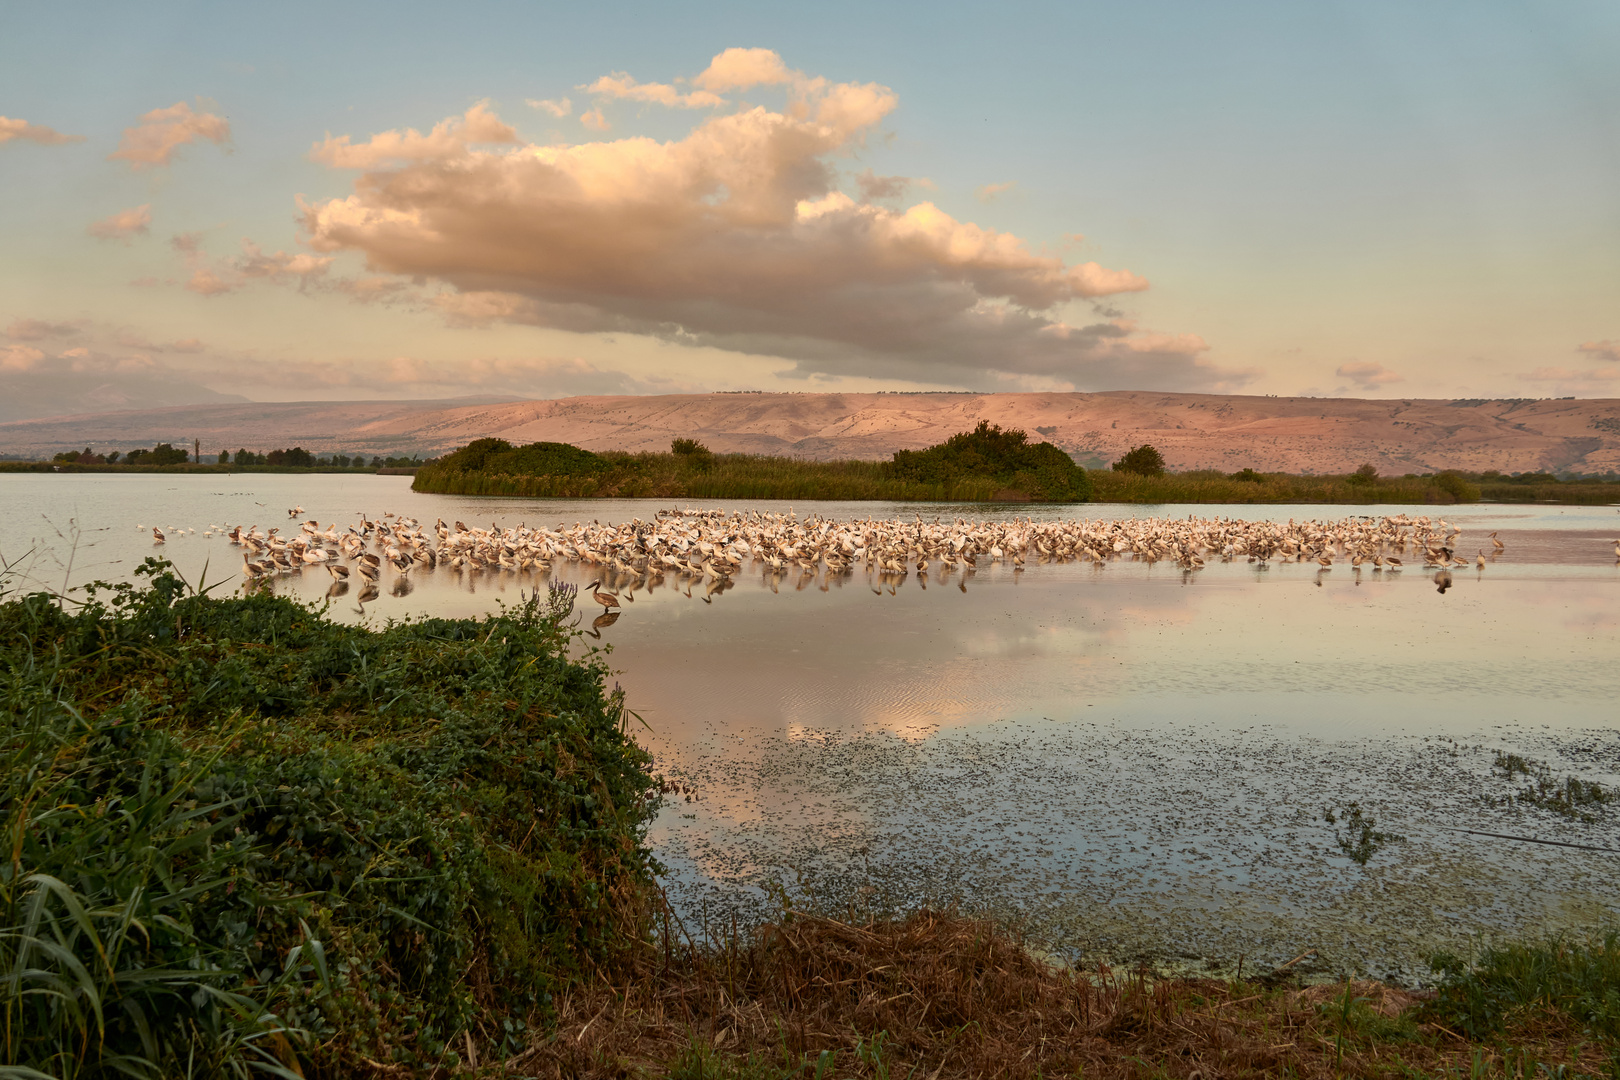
point(202, 789)
point(1040, 471)
point(497, 456)
point(161, 454)
point(1143, 460)
point(1457, 486)
point(1365, 476)
point(695, 453)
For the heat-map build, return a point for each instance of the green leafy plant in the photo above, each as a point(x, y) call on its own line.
point(1366, 476)
point(1579, 980)
point(1569, 797)
point(1143, 460)
point(1358, 839)
point(241, 834)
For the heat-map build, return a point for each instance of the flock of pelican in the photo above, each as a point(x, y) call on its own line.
point(711, 547)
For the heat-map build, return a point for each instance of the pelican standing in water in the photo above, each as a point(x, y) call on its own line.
point(606, 599)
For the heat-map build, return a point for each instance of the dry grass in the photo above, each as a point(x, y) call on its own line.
point(934, 996)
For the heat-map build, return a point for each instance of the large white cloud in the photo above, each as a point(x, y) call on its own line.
point(736, 236)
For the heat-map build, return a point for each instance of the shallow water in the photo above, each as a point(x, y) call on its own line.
point(1132, 759)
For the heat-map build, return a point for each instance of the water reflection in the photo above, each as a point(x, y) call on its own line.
point(607, 618)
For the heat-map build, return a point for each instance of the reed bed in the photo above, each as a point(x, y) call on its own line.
point(1573, 492)
point(722, 476)
point(940, 996)
point(1210, 486)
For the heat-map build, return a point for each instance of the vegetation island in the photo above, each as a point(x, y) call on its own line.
point(987, 464)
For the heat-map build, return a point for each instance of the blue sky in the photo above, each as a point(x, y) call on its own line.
point(1366, 199)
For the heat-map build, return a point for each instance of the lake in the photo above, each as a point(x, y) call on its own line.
point(1131, 760)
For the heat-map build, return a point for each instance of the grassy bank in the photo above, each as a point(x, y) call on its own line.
point(242, 837)
point(934, 995)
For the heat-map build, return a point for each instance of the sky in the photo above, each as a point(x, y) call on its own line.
point(358, 201)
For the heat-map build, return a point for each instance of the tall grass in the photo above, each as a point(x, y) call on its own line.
point(762, 476)
point(1210, 486)
point(722, 476)
point(1574, 492)
point(238, 835)
point(1533, 984)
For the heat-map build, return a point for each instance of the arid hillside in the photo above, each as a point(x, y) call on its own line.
point(1194, 431)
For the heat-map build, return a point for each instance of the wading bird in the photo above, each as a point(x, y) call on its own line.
point(606, 599)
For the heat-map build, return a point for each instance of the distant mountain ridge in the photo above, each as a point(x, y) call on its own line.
point(1193, 431)
point(27, 394)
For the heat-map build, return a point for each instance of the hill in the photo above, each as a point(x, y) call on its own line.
point(1194, 431)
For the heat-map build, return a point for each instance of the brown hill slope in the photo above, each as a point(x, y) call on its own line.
point(1192, 430)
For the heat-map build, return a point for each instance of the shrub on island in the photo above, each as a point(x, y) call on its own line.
point(1039, 471)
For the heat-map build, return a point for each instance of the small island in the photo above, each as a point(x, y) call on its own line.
point(987, 464)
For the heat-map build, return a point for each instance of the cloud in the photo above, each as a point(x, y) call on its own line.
point(19, 357)
point(620, 86)
point(1568, 375)
point(124, 224)
point(216, 277)
point(12, 128)
point(1368, 375)
point(372, 289)
point(130, 339)
point(448, 140)
point(1595, 380)
point(594, 120)
point(736, 236)
point(559, 108)
point(39, 330)
point(989, 193)
point(874, 187)
point(743, 69)
point(540, 377)
point(1601, 350)
point(162, 132)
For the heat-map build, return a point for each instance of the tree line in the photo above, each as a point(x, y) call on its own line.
point(295, 457)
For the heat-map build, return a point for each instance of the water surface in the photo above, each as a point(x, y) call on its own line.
point(1133, 759)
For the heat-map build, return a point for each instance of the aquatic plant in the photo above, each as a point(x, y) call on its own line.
point(242, 835)
point(1359, 839)
point(1569, 797)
